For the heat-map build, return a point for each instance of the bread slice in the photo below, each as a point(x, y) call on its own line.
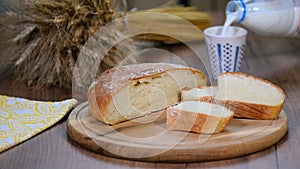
point(249, 96)
point(127, 92)
point(205, 94)
point(199, 117)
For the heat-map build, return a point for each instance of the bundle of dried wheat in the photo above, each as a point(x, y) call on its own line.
point(174, 25)
point(40, 40)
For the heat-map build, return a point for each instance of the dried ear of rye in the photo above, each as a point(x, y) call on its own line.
point(40, 40)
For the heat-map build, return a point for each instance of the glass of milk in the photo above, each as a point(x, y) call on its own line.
point(225, 48)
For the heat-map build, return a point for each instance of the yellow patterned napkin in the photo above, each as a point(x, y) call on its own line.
point(20, 119)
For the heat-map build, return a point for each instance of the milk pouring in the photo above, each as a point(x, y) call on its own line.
point(230, 18)
point(266, 17)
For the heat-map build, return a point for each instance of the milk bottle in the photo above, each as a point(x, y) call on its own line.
point(266, 17)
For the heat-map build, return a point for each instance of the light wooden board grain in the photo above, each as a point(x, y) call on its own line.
point(144, 141)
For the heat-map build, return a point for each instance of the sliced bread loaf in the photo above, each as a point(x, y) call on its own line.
point(205, 94)
point(199, 117)
point(127, 92)
point(249, 96)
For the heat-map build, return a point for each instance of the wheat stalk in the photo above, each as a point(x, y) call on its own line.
point(41, 40)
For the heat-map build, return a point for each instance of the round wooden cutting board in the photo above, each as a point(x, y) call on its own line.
point(147, 139)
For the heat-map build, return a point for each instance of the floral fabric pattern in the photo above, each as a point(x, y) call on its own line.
point(21, 119)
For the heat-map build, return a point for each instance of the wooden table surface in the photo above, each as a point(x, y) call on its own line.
point(275, 59)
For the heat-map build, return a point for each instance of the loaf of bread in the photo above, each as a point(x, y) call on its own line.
point(249, 96)
point(127, 92)
point(205, 94)
point(199, 117)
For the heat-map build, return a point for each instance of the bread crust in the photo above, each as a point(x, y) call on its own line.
point(253, 110)
point(111, 81)
point(178, 119)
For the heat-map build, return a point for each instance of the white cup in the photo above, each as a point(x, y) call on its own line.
point(225, 51)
